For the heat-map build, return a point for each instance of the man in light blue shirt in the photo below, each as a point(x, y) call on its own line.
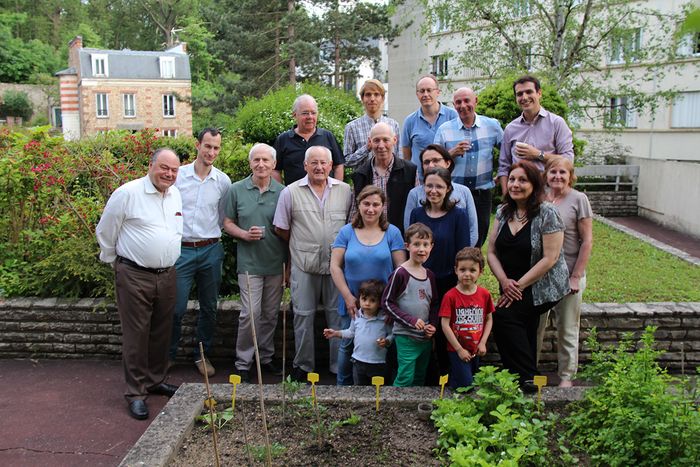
point(471, 139)
point(419, 127)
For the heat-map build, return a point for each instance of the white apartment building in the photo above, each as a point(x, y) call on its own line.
point(665, 144)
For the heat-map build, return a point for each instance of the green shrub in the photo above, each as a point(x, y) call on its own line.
point(16, 104)
point(498, 426)
point(261, 120)
point(636, 414)
point(52, 194)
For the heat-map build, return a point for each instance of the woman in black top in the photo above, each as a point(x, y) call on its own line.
point(525, 256)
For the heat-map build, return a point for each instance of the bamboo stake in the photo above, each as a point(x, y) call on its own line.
point(210, 404)
point(260, 382)
point(284, 343)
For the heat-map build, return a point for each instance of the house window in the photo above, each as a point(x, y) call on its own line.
point(689, 45)
point(686, 110)
point(172, 133)
point(439, 23)
point(102, 105)
point(439, 65)
point(168, 105)
point(129, 105)
point(526, 53)
point(167, 67)
point(621, 113)
point(99, 65)
point(522, 8)
point(626, 46)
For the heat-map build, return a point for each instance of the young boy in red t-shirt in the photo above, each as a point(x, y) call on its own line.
point(465, 316)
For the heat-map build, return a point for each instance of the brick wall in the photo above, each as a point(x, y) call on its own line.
point(87, 328)
point(613, 203)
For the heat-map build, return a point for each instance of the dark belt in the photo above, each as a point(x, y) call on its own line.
point(200, 243)
point(128, 262)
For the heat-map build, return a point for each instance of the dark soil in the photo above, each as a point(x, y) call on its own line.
point(393, 436)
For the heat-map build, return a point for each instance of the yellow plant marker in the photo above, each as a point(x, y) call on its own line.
point(313, 379)
point(235, 380)
point(379, 382)
point(443, 382)
point(539, 381)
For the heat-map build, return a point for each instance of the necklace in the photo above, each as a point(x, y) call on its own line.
point(521, 218)
point(556, 199)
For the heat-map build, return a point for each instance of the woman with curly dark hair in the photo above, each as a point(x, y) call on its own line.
point(525, 256)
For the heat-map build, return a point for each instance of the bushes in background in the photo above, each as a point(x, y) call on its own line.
point(52, 194)
point(261, 120)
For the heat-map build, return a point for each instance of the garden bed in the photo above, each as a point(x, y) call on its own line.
point(348, 434)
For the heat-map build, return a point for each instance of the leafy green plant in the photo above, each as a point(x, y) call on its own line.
point(220, 418)
point(637, 414)
point(498, 426)
point(259, 452)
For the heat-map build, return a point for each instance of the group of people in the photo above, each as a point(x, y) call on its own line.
point(392, 260)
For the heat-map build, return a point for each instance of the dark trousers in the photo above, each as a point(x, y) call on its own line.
point(362, 373)
point(146, 303)
point(515, 332)
point(482, 203)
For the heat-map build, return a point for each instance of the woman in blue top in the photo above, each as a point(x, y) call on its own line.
point(450, 226)
point(368, 248)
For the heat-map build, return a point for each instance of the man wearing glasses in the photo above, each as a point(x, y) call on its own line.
point(292, 144)
point(419, 127)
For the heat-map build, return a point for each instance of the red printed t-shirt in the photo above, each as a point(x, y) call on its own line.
point(467, 314)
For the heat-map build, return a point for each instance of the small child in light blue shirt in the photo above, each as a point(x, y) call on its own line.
point(371, 335)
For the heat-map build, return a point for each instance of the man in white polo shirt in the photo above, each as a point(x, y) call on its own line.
point(140, 233)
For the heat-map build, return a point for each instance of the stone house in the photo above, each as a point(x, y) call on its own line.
point(125, 89)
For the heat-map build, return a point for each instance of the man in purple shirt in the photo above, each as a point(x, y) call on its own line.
point(536, 135)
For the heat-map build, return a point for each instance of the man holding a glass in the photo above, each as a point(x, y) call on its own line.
point(470, 139)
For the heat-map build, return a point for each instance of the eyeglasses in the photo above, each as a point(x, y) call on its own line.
point(425, 90)
point(308, 114)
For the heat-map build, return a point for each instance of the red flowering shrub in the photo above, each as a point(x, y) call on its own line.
point(52, 194)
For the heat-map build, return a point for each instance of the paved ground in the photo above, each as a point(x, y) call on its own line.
point(72, 413)
point(683, 242)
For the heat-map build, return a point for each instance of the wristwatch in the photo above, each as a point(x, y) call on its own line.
point(540, 156)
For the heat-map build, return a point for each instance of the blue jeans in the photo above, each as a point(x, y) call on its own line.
point(461, 372)
point(202, 265)
point(344, 377)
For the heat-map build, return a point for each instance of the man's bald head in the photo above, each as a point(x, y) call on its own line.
point(464, 101)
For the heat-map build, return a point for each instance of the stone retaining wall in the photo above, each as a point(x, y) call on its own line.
point(614, 203)
point(89, 328)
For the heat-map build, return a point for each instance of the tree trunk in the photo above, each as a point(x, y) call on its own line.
point(337, 60)
point(290, 33)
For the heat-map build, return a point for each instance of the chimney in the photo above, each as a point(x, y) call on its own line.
point(73, 47)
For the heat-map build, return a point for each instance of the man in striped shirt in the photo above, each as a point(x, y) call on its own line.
point(470, 139)
point(355, 147)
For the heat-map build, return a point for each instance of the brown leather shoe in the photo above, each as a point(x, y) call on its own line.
point(205, 367)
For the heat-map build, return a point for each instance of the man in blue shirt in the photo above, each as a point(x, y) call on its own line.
point(470, 139)
point(419, 128)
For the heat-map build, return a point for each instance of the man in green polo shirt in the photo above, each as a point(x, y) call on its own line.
point(250, 208)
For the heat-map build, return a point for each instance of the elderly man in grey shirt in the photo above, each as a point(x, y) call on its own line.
point(536, 135)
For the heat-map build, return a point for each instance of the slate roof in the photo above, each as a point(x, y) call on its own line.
point(134, 64)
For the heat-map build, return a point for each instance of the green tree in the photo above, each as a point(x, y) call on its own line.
point(348, 34)
point(562, 41)
point(20, 59)
point(16, 104)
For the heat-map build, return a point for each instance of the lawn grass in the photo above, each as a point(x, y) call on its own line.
point(623, 269)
